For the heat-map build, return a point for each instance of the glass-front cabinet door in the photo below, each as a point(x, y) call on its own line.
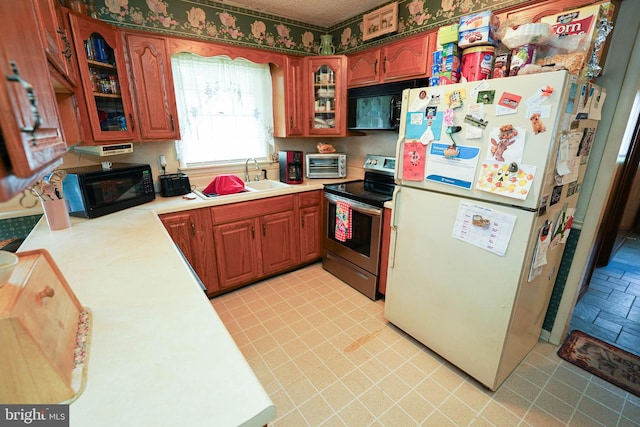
point(327, 79)
point(104, 79)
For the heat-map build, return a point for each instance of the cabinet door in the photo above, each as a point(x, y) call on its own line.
point(294, 105)
point(236, 252)
point(191, 231)
point(29, 115)
point(57, 38)
point(364, 68)
point(182, 229)
point(152, 87)
point(104, 79)
point(327, 95)
point(408, 58)
point(310, 233)
point(278, 242)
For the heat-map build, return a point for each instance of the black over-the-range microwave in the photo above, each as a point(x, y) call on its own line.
point(378, 107)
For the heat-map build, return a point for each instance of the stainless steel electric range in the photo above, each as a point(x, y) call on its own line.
point(354, 257)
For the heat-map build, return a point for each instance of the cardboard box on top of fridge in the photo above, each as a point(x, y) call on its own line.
point(448, 34)
point(449, 49)
point(478, 29)
point(574, 35)
point(451, 63)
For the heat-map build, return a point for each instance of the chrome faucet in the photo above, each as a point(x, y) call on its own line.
point(246, 169)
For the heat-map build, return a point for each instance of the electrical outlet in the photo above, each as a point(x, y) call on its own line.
point(163, 161)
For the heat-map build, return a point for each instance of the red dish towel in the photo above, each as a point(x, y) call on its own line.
point(343, 221)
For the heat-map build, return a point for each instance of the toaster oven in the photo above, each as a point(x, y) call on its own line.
point(332, 165)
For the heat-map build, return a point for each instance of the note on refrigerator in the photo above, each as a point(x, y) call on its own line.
point(483, 227)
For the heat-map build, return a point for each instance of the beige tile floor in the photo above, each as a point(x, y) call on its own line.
point(327, 356)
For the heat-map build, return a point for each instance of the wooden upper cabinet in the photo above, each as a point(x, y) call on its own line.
point(294, 90)
point(152, 87)
point(325, 82)
point(408, 58)
point(29, 116)
point(364, 68)
point(404, 59)
point(103, 73)
point(56, 36)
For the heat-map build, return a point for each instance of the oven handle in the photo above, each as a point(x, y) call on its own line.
point(356, 206)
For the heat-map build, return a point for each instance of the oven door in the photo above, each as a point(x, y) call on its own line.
point(363, 248)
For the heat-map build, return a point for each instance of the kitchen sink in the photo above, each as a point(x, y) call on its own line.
point(249, 187)
point(265, 185)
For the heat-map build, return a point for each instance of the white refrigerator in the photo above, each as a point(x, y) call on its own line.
point(488, 175)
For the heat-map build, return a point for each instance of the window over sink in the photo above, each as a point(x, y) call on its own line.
point(225, 109)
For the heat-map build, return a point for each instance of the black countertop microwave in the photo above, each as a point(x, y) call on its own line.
point(378, 107)
point(93, 191)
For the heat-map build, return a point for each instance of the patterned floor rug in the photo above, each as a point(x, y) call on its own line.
point(610, 363)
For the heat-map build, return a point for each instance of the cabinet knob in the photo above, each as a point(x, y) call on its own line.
point(264, 230)
point(375, 68)
point(47, 292)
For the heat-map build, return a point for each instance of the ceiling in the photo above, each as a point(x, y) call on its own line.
point(323, 13)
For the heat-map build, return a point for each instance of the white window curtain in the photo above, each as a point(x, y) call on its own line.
point(225, 109)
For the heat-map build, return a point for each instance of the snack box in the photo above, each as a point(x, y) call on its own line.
point(575, 30)
point(451, 63)
point(578, 21)
point(436, 69)
point(449, 49)
point(477, 29)
point(448, 34)
point(434, 81)
point(437, 56)
point(449, 77)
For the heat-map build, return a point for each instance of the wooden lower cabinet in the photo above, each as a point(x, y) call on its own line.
point(310, 215)
point(233, 245)
point(237, 257)
point(249, 249)
point(384, 250)
point(191, 231)
point(278, 242)
point(254, 239)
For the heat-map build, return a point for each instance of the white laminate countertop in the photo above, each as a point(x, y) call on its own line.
point(159, 354)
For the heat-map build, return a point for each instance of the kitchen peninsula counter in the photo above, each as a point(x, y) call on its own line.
point(159, 354)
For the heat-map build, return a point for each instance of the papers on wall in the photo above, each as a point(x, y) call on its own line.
point(568, 160)
point(483, 227)
point(540, 251)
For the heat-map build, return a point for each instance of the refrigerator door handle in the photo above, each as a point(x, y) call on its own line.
point(399, 151)
point(394, 226)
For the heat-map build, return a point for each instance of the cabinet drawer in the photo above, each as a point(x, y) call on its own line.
point(252, 209)
point(309, 198)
